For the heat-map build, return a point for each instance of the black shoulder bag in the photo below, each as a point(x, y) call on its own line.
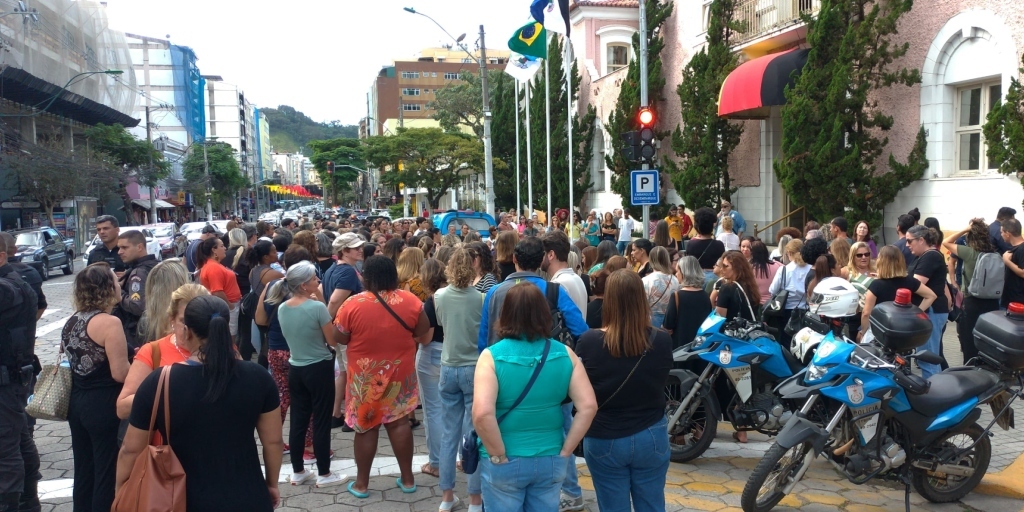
point(469, 450)
point(387, 307)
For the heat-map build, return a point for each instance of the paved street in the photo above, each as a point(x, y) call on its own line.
point(713, 482)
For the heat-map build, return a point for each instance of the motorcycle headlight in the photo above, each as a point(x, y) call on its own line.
point(816, 373)
point(697, 342)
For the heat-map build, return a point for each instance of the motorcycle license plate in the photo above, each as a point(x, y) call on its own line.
point(866, 427)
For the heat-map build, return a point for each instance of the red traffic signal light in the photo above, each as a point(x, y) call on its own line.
point(645, 117)
point(330, 167)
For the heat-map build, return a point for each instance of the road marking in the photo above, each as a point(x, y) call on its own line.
point(48, 312)
point(65, 283)
point(50, 327)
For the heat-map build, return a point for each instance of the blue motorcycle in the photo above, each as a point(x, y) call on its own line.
point(883, 421)
point(752, 361)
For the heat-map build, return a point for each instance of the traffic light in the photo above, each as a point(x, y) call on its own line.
point(646, 121)
point(330, 167)
point(631, 146)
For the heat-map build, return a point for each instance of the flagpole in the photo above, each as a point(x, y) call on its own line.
point(568, 125)
point(529, 157)
point(547, 116)
point(519, 199)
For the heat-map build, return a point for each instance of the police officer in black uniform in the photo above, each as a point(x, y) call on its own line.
point(132, 246)
point(19, 459)
point(107, 229)
point(29, 274)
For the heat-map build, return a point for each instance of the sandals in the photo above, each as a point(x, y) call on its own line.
point(427, 469)
point(357, 494)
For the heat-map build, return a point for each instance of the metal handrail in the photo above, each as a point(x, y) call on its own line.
point(776, 221)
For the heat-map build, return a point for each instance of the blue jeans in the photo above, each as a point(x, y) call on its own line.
point(657, 319)
point(621, 247)
point(523, 484)
point(632, 466)
point(934, 342)
point(571, 485)
point(428, 371)
point(456, 386)
point(709, 276)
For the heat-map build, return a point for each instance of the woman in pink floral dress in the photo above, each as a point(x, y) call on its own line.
point(381, 388)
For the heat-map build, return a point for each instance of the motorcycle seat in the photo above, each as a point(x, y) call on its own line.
point(949, 388)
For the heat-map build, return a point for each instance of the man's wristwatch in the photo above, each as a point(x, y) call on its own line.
point(498, 459)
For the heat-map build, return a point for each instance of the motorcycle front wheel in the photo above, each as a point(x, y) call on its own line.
point(775, 471)
point(940, 487)
point(691, 436)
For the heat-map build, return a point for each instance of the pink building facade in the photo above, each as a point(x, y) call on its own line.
point(967, 52)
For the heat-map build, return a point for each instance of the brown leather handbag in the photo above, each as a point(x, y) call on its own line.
point(157, 482)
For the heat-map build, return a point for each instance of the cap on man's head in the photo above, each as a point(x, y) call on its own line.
point(347, 241)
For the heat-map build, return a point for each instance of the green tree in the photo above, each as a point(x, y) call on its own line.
point(623, 118)
point(461, 104)
point(225, 178)
point(582, 138)
point(344, 153)
point(427, 158)
point(833, 132)
point(1004, 129)
point(48, 173)
point(133, 159)
point(704, 140)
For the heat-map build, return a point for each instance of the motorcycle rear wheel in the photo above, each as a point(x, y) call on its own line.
point(764, 488)
point(691, 436)
point(938, 487)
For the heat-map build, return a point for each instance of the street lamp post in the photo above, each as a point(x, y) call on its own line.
point(488, 158)
point(368, 174)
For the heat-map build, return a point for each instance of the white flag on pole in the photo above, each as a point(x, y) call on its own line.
point(522, 67)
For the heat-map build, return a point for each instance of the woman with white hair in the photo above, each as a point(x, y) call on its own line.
point(307, 326)
point(689, 306)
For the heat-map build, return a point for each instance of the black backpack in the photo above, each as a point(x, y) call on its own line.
point(559, 330)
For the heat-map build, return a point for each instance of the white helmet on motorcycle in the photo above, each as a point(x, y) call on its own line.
point(834, 297)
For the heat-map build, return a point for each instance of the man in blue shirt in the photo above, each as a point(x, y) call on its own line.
point(527, 257)
point(738, 224)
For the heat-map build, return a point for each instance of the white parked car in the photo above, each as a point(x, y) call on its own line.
point(381, 212)
point(172, 241)
point(152, 245)
point(192, 230)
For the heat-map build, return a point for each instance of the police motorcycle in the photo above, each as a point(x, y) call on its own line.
point(753, 362)
point(885, 422)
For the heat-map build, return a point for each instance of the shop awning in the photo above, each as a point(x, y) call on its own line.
point(160, 204)
point(20, 86)
point(755, 86)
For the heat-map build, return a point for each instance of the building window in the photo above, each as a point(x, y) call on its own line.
point(433, 75)
point(411, 107)
point(467, 61)
point(410, 74)
point(492, 60)
point(451, 76)
point(597, 163)
point(973, 103)
point(410, 92)
point(618, 57)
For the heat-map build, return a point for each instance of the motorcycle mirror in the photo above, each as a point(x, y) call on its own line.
point(928, 357)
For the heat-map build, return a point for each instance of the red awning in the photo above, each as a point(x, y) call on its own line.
point(756, 85)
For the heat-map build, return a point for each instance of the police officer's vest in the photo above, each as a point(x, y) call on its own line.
point(17, 320)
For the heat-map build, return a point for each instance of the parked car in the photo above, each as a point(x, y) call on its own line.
point(381, 212)
point(171, 241)
point(479, 221)
point(152, 246)
point(192, 230)
point(45, 249)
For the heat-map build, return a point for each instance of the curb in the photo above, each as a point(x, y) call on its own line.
point(1006, 483)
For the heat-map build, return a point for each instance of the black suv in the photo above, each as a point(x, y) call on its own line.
point(45, 249)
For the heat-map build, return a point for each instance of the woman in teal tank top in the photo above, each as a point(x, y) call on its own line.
point(524, 459)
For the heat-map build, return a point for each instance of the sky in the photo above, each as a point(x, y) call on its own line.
point(319, 56)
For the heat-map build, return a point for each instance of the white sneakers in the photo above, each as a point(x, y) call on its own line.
point(308, 476)
point(332, 478)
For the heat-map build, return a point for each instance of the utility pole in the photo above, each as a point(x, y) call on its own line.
point(643, 97)
point(152, 190)
point(488, 158)
point(209, 185)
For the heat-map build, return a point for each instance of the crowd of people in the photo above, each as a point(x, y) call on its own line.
point(546, 341)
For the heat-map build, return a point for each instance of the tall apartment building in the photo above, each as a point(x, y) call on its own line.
point(402, 90)
point(171, 93)
point(230, 119)
point(264, 162)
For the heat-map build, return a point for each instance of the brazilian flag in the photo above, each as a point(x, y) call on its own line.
point(530, 40)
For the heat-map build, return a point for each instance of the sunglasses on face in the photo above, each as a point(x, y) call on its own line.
point(864, 255)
